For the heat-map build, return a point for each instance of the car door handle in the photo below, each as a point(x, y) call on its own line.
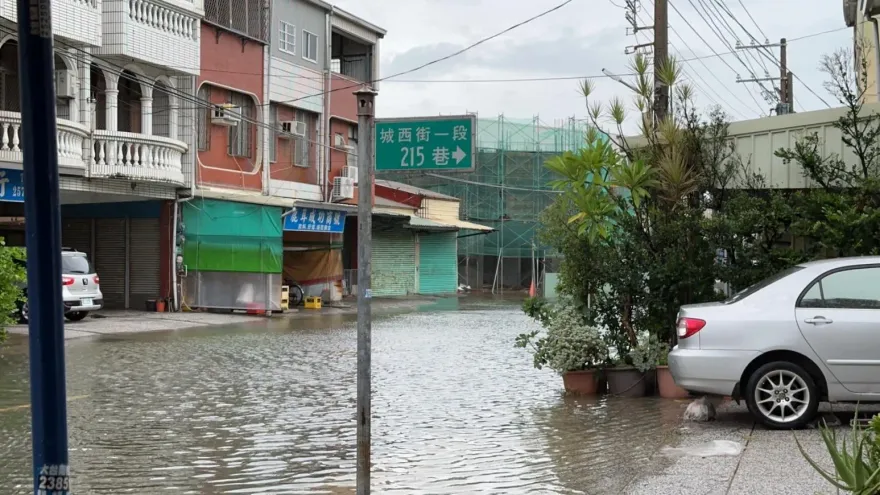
point(818, 320)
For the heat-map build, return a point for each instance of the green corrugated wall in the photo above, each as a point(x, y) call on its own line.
point(394, 262)
point(225, 236)
point(438, 262)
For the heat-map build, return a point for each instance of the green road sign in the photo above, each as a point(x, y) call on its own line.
point(426, 143)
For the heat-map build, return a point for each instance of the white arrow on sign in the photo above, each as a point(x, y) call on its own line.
point(458, 154)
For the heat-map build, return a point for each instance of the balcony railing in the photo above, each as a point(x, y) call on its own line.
point(138, 157)
point(70, 141)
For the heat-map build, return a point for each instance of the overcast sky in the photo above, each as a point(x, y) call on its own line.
point(581, 39)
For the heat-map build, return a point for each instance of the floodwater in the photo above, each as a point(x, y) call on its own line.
point(270, 408)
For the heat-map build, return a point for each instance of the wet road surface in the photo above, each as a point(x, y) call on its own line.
point(269, 408)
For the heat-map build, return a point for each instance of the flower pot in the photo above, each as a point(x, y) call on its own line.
point(581, 382)
point(666, 385)
point(626, 382)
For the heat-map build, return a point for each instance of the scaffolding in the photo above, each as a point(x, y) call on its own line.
point(508, 190)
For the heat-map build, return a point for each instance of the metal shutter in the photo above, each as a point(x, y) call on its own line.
point(143, 261)
point(76, 233)
point(110, 260)
point(394, 263)
point(438, 262)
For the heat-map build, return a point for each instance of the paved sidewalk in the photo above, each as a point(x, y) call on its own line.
point(770, 463)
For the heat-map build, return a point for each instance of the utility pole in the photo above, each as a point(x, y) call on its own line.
point(659, 47)
point(366, 120)
point(785, 79)
point(661, 54)
point(42, 205)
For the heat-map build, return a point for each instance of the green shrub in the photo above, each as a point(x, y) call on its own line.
point(569, 343)
point(12, 275)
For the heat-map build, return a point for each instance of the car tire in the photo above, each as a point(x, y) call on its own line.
point(76, 315)
point(782, 388)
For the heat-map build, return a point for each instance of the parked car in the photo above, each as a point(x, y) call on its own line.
point(80, 286)
point(806, 335)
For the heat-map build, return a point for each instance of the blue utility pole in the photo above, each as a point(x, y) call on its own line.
point(36, 62)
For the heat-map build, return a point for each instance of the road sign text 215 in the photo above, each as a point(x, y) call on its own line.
point(413, 156)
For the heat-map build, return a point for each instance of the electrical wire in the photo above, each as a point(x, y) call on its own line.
point(441, 59)
point(711, 48)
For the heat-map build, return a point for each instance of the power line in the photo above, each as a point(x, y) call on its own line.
point(710, 48)
point(441, 59)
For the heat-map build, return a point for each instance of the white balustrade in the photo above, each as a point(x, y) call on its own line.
point(70, 141)
point(162, 18)
point(137, 157)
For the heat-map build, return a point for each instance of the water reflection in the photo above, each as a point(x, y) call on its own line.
point(269, 408)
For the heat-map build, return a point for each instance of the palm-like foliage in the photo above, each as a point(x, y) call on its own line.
point(856, 468)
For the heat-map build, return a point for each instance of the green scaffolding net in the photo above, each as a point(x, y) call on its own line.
point(508, 190)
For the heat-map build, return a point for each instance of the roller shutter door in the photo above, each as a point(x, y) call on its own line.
point(394, 264)
point(109, 260)
point(76, 233)
point(438, 263)
point(144, 261)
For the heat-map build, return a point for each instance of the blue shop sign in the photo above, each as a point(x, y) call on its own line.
point(11, 185)
point(315, 220)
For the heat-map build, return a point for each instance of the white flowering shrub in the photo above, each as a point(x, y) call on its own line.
point(569, 343)
point(649, 353)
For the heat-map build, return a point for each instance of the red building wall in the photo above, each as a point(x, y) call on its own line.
point(404, 197)
point(283, 168)
point(232, 61)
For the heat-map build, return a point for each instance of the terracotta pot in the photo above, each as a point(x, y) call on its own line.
point(626, 382)
point(666, 385)
point(581, 382)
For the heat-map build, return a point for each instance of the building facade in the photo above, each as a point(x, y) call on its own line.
point(265, 151)
point(123, 69)
point(863, 16)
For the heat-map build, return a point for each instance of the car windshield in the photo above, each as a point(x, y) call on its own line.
point(75, 264)
point(739, 296)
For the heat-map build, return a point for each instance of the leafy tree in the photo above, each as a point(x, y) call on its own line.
point(12, 274)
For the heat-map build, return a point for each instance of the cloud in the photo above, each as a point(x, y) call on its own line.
point(581, 39)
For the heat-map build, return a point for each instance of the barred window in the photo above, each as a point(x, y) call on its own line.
point(203, 119)
point(241, 136)
point(303, 145)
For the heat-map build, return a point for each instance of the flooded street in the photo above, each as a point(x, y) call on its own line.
point(269, 408)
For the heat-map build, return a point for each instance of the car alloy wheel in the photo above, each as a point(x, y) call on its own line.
point(782, 395)
point(24, 313)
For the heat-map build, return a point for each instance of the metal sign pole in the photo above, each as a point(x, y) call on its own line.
point(42, 205)
point(366, 116)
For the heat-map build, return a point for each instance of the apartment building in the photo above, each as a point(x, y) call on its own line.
point(267, 205)
point(864, 17)
point(123, 69)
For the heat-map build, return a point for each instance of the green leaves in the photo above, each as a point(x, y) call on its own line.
point(855, 465)
point(12, 274)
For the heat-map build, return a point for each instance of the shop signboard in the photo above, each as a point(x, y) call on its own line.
point(11, 185)
point(305, 219)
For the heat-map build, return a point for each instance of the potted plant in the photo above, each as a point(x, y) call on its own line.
point(666, 386)
point(627, 377)
point(569, 347)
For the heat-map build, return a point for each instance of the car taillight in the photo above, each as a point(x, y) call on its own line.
point(66, 280)
point(688, 327)
point(97, 280)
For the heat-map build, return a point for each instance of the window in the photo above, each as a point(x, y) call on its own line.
point(287, 39)
point(353, 135)
point(857, 288)
point(739, 296)
point(241, 136)
point(310, 46)
point(302, 151)
point(203, 119)
point(273, 137)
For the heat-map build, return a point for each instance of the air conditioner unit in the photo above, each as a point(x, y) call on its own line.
point(339, 141)
point(351, 173)
point(226, 115)
point(351, 158)
point(343, 188)
point(64, 84)
point(293, 127)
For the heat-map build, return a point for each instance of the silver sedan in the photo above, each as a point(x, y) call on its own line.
point(806, 335)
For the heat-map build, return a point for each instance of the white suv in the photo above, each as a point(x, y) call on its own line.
point(80, 286)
